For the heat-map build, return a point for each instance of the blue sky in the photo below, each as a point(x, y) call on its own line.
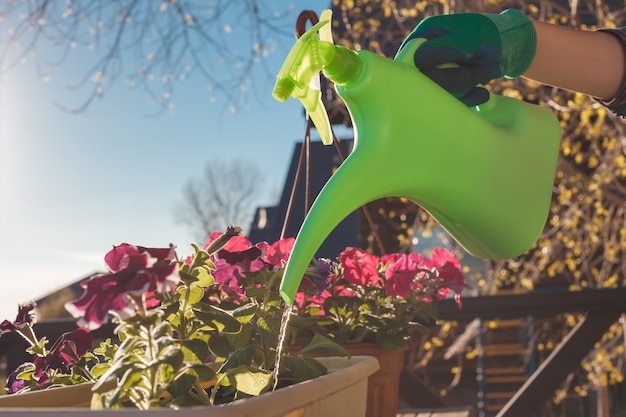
point(71, 186)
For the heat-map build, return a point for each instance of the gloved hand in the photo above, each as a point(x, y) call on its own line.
point(484, 46)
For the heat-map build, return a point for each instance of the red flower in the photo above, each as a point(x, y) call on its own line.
point(13, 383)
point(67, 350)
point(120, 256)
point(25, 317)
point(401, 273)
point(278, 252)
point(360, 267)
point(450, 273)
point(235, 259)
point(135, 270)
point(306, 301)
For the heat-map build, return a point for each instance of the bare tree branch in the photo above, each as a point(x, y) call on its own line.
point(225, 194)
point(151, 44)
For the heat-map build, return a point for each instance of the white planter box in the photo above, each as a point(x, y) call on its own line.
point(343, 392)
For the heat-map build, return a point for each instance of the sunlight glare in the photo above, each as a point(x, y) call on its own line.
point(10, 116)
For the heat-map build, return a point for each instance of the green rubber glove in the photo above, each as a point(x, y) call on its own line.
point(484, 47)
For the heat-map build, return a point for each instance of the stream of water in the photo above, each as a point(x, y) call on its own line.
point(281, 341)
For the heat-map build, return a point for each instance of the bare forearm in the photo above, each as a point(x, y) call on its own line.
point(588, 62)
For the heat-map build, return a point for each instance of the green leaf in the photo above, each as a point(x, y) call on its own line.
point(27, 372)
point(171, 310)
point(204, 372)
point(323, 345)
point(174, 319)
point(182, 384)
point(96, 401)
point(219, 346)
point(203, 273)
point(162, 329)
point(302, 368)
point(128, 345)
point(195, 351)
point(300, 322)
point(200, 254)
point(269, 325)
point(194, 293)
point(241, 339)
point(249, 380)
point(117, 369)
point(187, 277)
point(100, 369)
point(373, 321)
point(238, 358)
point(172, 356)
point(343, 302)
point(106, 349)
point(219, 320)
point(132, 379)
point(201, 258)
point(39, 349)
point(430, 311)
point(256, 292)
point(245, 313)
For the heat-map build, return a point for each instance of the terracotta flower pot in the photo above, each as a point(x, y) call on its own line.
point(384, 385)
point(342, 392)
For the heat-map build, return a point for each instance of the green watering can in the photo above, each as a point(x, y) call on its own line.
point(484, 173)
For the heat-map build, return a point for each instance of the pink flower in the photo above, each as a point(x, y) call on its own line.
point(450, 273)
point(23, 323)
point(135, 270)
point(389, 258)
point(120, 256)
point(67, 350)
point(13, 383)
point(401, 273)
point(360, 267)
point(307, 301)
point(25, 317)
point(278, 252)
point(235, 259)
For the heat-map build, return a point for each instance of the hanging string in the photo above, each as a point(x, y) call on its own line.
point(296, 181)
point(305, 153)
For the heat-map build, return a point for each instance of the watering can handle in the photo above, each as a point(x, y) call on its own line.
point(405, 55)
point(486, 110)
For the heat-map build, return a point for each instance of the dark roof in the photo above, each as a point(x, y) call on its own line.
point(268, 221)
point(52, 305)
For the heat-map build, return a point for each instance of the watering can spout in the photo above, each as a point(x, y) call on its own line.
point(331, 206)
point(484, 173)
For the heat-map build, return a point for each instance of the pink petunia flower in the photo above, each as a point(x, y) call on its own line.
point(23, 323)
point(25, 317)
point(360, 267)
point(278, 252)
point(235, 259)
point(67, 350)
point(14, 384)
point(450, 274)
point(401, 273)
point(135, 270)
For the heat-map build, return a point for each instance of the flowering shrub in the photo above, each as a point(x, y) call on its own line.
point(221, 305)
point(378, 299)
